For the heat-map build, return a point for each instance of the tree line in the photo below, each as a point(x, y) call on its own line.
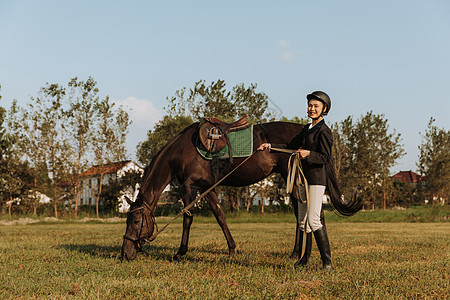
point(47, 143)
point(364, 149)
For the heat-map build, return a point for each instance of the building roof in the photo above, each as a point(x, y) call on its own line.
point(407, 177)
point(105, 169)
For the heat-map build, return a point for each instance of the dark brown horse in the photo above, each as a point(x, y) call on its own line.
point(179, 160)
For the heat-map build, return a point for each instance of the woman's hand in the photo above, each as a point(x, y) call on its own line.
point(263, 146)
point(303, 153)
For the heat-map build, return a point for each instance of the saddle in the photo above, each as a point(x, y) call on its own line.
point(213, 133)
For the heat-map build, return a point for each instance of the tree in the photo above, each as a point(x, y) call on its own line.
point(266, 188)
point(364, 153)
point(14, 174)
point(405, 194)
point(5, 140)
point(251, 103)
point(215, 100)
point(16, 188)
point(5, 148)
point(24, 124)
point(130, 181)
point(125, 185)
point(303, 120)
point(163, 131)
point(434, 162)
point(58, 152)
point(81, 104)
point(109, 139)
point(59, 130)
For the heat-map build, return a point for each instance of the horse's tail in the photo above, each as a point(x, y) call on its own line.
point(343, 206)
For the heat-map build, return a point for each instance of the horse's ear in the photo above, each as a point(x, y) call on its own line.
point(128, 200)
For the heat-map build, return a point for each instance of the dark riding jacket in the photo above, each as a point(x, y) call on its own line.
point(318, 140)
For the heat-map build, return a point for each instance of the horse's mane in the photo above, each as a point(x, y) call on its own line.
point(149, 168)
point(155, 157)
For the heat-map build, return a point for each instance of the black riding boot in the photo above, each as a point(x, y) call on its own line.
point(324, 248)
point(304, 260)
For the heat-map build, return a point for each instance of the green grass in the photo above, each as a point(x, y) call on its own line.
point(81, 261)
point(413, 214)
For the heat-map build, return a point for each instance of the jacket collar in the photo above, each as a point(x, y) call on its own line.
point(317, 126)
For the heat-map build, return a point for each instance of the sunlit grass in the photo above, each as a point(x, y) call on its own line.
point(79, 260)
point(413, 214)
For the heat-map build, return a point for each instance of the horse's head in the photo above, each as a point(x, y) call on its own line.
point(140, 227)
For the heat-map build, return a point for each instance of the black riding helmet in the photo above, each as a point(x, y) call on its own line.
point(322, 97)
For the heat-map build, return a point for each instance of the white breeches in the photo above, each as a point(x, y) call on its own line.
point(316, 193)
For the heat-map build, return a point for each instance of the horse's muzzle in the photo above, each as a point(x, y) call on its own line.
point(129, 249)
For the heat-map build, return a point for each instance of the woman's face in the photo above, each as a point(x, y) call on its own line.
point(315, 108)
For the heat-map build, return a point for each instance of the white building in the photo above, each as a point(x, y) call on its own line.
point(90, 181)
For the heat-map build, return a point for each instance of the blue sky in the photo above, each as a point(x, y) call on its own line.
point(391, 57)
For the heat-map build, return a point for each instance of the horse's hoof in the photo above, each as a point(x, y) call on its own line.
point(176, 257)
point(327, 268)
point(301, 263)
point(294, 255)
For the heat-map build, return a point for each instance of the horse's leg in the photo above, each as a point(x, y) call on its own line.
point(189, 196)
point(213, 202)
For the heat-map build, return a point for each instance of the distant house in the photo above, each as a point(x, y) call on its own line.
point(408, 177)
point(90, 180)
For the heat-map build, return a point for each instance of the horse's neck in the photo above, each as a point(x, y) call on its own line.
point(167, 161)
point(158, 177)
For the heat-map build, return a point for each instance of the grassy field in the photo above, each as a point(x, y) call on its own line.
point(81, 260)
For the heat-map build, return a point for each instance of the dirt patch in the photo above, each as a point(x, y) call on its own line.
point(109, 220)
point(51, 219)
point(21, 221)
point(26, 221)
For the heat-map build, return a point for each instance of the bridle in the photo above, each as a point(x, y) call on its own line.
point(139, 240)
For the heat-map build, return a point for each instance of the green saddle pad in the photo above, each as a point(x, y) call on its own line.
point(241, 145)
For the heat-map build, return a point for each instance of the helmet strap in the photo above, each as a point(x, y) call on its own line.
point(324, 109)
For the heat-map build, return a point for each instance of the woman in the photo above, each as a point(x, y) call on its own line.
point(313, 144)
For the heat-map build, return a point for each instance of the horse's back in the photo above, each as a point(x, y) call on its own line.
point(277, 132)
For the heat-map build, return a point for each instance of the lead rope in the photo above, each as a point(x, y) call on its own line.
point(185, 210)
point(297, 178)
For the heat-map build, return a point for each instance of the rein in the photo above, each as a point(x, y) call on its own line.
point(185, 210)
point(296, 177)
